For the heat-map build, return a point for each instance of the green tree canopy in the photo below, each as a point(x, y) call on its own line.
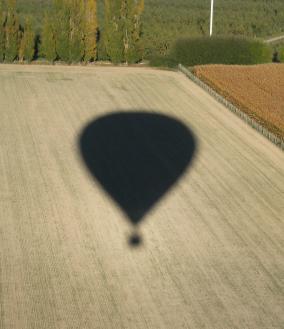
point(123, 30)
point(2, 32)
point(48, 46)
point(91, 30)
point(12, 32)
point(27, 47)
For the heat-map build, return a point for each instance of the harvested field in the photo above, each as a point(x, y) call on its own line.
point(212, 250)
point(258, 90)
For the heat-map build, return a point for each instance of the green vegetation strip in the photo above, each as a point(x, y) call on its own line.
point(165, 21)
point(247, 119)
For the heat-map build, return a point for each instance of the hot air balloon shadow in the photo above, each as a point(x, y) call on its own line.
point(137, 157)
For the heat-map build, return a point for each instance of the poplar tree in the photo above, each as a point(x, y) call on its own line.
point(62, 28)
point(48, 45)
point(27, 47)
point(72, 35)
point(12, 32)
point(2, 33)
point(91, 30)
point(123, 30)
point(76, 30)
point(131, 11)
point(113, 31)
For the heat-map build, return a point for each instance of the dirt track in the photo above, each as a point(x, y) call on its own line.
point(213, 247)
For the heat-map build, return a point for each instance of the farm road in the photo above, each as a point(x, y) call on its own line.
point(275, 39)
point(212, 251)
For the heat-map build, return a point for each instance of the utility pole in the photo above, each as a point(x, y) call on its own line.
point(211, 17)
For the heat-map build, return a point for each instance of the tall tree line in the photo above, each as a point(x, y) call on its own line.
point(16, 42)
point(70, 32)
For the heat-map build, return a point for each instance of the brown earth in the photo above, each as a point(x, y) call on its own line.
point(258, 90)
point(212, 255)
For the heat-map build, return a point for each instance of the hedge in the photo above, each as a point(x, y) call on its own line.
point(163, 61)
point(218, 50)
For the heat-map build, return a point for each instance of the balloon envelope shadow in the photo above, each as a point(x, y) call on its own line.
point(136, 157)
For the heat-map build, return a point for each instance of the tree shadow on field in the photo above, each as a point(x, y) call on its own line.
point(136, 157)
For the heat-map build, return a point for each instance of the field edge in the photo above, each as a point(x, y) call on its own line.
point(263, 130)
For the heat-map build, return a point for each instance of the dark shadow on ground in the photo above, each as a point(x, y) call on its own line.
point(137, 157)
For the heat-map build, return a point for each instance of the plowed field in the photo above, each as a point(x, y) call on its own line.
point(79, 155)
point(258, 90)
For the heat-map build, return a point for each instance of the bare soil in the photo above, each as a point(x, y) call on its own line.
point(258, 90)
point(212, 251)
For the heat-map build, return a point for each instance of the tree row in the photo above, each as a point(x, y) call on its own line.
point(71, 32)
point(16, 41)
